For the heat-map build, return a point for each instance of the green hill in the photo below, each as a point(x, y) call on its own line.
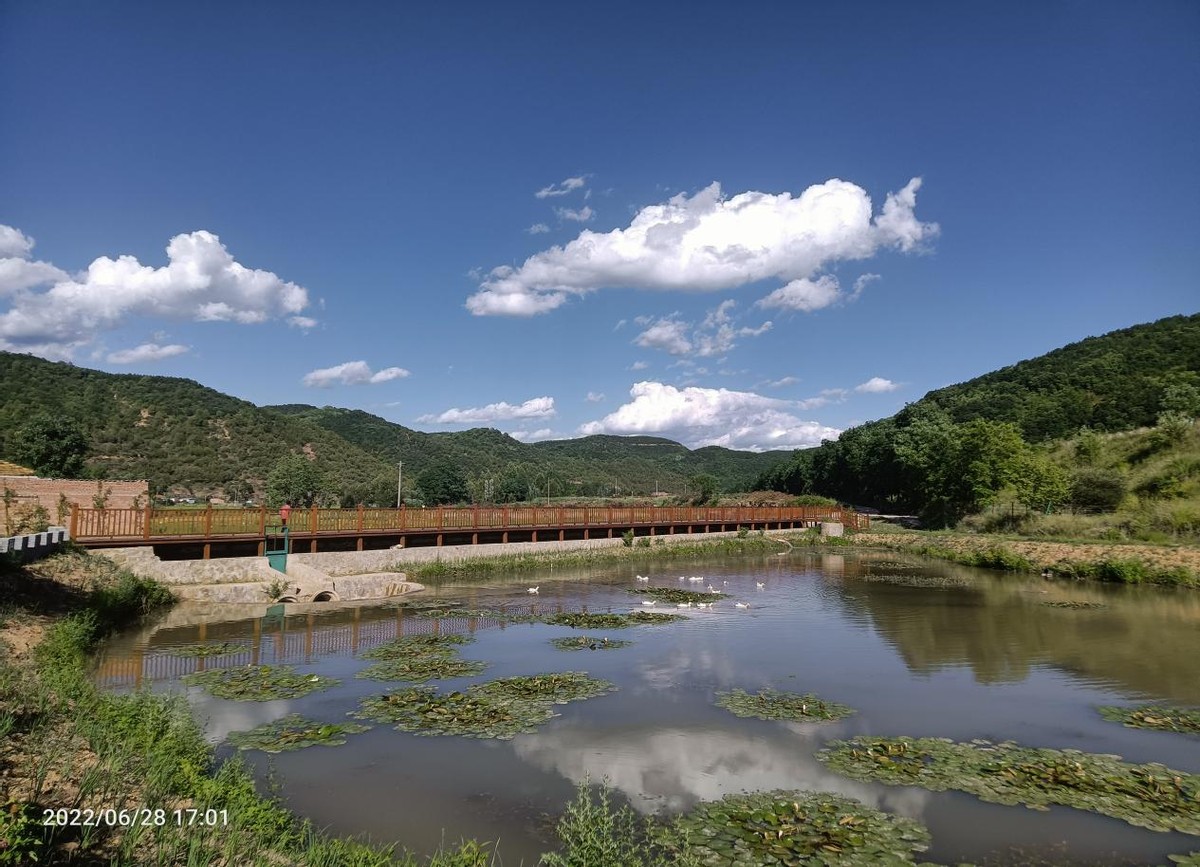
point(185, 437)
point(952, 451)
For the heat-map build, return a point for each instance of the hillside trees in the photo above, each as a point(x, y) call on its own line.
point(442, 482)
point(295, 480)
point(51, 446)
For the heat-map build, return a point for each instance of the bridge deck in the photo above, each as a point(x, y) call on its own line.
point(100, 528)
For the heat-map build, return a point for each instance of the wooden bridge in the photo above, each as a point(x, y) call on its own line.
point(219, 532)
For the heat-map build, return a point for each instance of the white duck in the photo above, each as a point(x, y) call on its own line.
point(533, 589)
point(741, 605)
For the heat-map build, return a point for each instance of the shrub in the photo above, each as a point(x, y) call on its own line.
point(1121, 571)
point(1097, 489)
point(627, 538)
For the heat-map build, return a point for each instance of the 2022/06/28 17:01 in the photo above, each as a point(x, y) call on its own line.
point(134, 817)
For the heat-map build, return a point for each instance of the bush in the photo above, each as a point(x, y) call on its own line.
point(1097, 489)
point(1121, 571)
point(627, 538)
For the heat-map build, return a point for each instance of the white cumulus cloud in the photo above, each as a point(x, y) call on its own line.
point(17, 270)
point(707, 242)
point(201, 282)
point(536, 407)
point(352, 373)
point(711, 416)
point(538, 229)
point(876, 384)
point(146, 352)
point(535, 436)
point(594, 397)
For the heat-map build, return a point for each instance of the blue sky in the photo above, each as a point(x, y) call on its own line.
point(751, 226)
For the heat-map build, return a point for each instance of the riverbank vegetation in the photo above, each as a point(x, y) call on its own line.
point(66, 745)
point(657, 549)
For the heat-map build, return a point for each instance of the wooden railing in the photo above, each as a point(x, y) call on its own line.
point(209, 523)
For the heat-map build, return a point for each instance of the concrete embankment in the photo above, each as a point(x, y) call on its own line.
point(342, 576)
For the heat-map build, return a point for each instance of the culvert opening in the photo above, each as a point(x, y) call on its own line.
point(324, 596)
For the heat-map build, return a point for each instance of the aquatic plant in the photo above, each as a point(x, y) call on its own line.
point(556, 688)
point(1150, 716)
point(421, 668)
point(925, 581)
point(294, 732)
point(1073, 603)
point(258, 682)
point(586, 642)
point(406, 645)
point(674, 594)
point(773, 704)
point(583, 620)
point(205, 650)
point(1148, 795)
point(794, 828)
point(424, 711)
point(498, 709)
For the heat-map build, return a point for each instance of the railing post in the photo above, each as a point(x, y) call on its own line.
point(262, 521)
point(74, 520)
point(312, 521)
point(360, 517)
point(208, 522)
point(146, 524)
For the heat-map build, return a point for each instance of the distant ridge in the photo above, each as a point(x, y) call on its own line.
point(182, 435)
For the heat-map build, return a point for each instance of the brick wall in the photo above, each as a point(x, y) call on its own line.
point(45, 492)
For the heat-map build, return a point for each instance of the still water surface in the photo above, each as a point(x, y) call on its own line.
point(989, 660)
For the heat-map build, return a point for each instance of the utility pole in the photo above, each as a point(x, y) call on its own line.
point(400, 486)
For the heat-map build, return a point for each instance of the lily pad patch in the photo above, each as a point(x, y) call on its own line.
point(773, 704)
point(499, 709)
point(587, 642)
point(1159, 717)
point(422, 668)
point(934, 582)
point(674, 594)
point(294, 732)
point(259, 682)
point(1148, 795)
point(794, 828)
point(583, 620)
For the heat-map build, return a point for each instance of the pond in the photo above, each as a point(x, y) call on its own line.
point(916, 648)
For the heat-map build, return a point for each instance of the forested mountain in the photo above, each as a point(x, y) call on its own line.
point(588, 466)
point(949, 452)
point(183, 436)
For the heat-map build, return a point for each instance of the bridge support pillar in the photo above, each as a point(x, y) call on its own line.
point(474, 538)
point(207, 550)
point(359, 544)
point(504, 537)
point(439, 540)
point(534, 539)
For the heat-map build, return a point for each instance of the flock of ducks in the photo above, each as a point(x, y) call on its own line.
point(644, 579)
point(696, 579)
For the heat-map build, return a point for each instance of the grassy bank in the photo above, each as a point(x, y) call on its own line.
point(65, 745)
point(1169, 565)
point(656, 550)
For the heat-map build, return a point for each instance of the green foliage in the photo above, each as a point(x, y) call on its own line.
point(294, 732)
point(1087, 446)
point(443, 483)
point(53, 447)
point(1040, 483)
point(705, 487)
point(594, 834)
point(1182, 397)
point(773, 704)
point(952, 451)
point(1158, 717)
point(1099, 489)
point(295, 480)
point(1148, 795)
point(22, 834)
point(1173, 427)
point(258, 682)
point(627, 538)
point(796, 829)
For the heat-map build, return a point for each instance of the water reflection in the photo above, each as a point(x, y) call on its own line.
point(672, 769)
point(984, 659)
